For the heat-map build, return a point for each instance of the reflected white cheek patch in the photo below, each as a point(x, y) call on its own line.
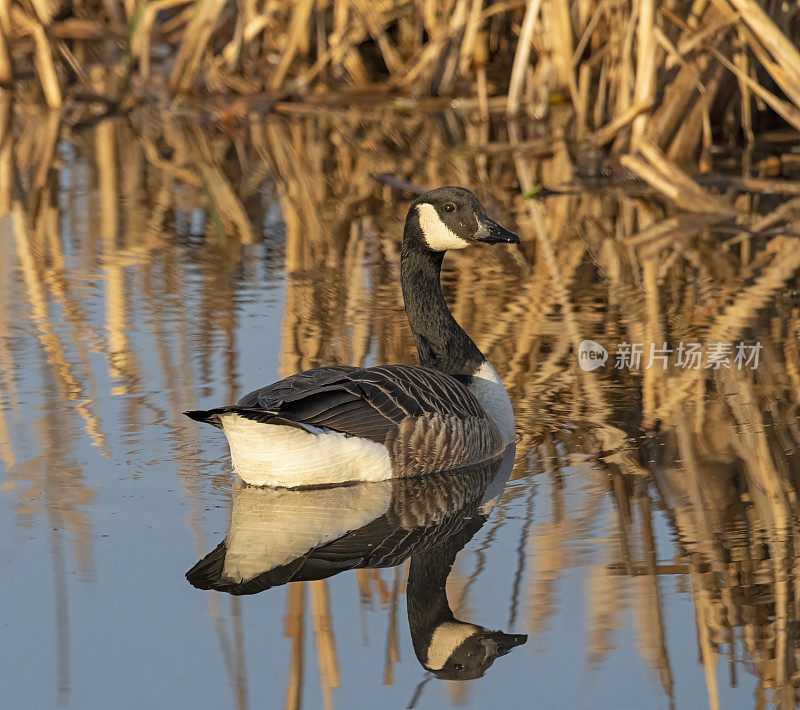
point(438, 235)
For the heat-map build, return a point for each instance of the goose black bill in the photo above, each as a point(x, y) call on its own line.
point(489, 232)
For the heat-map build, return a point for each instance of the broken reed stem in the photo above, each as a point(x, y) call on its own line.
point(661, 174)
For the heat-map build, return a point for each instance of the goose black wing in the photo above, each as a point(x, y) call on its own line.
point(364, 402)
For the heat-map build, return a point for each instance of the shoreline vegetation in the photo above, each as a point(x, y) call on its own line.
point(632, 71)
point(638, 89)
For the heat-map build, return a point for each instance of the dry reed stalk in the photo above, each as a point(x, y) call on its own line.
point(323, 634)
point(69, 386)
point(141, 31)
point(656, 629)
point(673, 183)
point(392, 637)
point(644, 91)
point(196, 36)
point(296, 32)
point(6, 67)
point(745, 184)
point(665, 232)
point(43, 57)
point(789, 112)
point(6, 154)
point(561, 40)
point(444, 75)
point(609, 132)
point(376, 27)
point(786, 69)
point(293, 629)
point(472, 45)
point(521, 56)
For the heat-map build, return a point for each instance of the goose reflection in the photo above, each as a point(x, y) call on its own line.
point(278, 536)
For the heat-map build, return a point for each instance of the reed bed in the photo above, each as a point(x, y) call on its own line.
point(636, 75)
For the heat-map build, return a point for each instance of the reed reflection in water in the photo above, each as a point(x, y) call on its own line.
point(646, 541)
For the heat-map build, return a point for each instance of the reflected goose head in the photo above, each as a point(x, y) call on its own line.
point(452, 218)
point(461, 651)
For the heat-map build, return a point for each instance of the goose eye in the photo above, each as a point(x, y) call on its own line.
point(458, 667)
point(449, 207)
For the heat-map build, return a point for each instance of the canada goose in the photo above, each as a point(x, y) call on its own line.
point(342, 424)
point(280, 535)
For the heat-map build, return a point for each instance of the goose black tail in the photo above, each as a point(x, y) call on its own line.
point(209, 416)
point(207, 573)
point(264, 416)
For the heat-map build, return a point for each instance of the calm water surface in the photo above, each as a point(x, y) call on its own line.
point(645, 538)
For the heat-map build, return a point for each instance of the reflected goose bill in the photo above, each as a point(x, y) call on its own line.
point(499, 643)
point(490, 232)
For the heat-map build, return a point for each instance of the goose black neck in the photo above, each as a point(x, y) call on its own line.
point(441, 343)
point(426, 589)
point(426, 597)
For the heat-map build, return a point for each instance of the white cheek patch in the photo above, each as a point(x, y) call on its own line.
point(447, 638)
point(438, 235)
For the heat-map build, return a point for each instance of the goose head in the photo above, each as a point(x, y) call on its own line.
point(452, 218)
point(461, 651)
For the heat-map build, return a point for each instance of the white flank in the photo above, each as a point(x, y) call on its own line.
point(278, 455)
point(273, 526)
point(488, 389)
point(447, 638)
point(438, 235)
